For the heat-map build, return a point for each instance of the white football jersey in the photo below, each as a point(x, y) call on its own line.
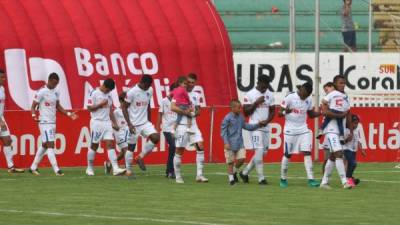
point(340, 102)
point(262, 111)
point(2, 100)
point(296, 121)
point(168, 116)
point(120, 119)
point(353, 144)
point(95, 98)
point(47, 99)
point(139, 100)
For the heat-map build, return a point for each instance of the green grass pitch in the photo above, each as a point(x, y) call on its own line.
point(153, 199)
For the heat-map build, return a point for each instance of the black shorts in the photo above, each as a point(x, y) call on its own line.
point(349, 38)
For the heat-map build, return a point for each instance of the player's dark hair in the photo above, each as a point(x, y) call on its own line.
point(192, 76)
point(181, 79)
point(109, 84)
point(146, 79)
point(338, 77)
point(329, 84)
point(263, 79)
point(54, 76)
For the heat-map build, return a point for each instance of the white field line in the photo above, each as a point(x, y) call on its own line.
point(119, 218)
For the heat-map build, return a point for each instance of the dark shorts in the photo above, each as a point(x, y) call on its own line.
point(349, 38)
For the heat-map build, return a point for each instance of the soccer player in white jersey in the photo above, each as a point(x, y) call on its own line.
point(47, 100)
point(259, 106)
point(165, 122)
point(297, 137)
point(122, 138)
point(102, 123)
point(184, 138)
point(336, 100)
point(4, 131)
point(136, 110)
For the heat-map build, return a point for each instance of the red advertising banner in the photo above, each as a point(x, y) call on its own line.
point(380, 135)
point(87, 41)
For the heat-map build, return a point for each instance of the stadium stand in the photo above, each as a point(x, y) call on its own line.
point(264, 24)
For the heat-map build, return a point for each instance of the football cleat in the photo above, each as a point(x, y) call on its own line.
point(283, 183)
point(313, 183)
point(118, 171)
point(325, 186)
point(34, 172)
point(263, 182)
point(347, 186)
point(245, 178)
point(232, 182)
point(15, 170)
point(179, 180)
point(60, 173)
point(89, 172)
point(139, 161)
point(201, 179)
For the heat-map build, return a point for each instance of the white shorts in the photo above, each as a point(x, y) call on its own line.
point(259, 139)
point(333, 142)
point(47, 132)
point(230, 156)
point(143, 130)
point(121, 136)
point(183, 138)
point(6, 132)
point(297, 143)
point(100, 130)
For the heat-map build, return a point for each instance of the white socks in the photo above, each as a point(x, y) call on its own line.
point(341, 170)
point(259, 163)
point(308, 166)
point(177, 165)
point(52, 158)
point(128, 160)
point(199, 162)
point(112, 156)
point(328, 171)
point(38, 157)
point(90, 158)
point(148, 147)
point(284, 167)
point(8, 153)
